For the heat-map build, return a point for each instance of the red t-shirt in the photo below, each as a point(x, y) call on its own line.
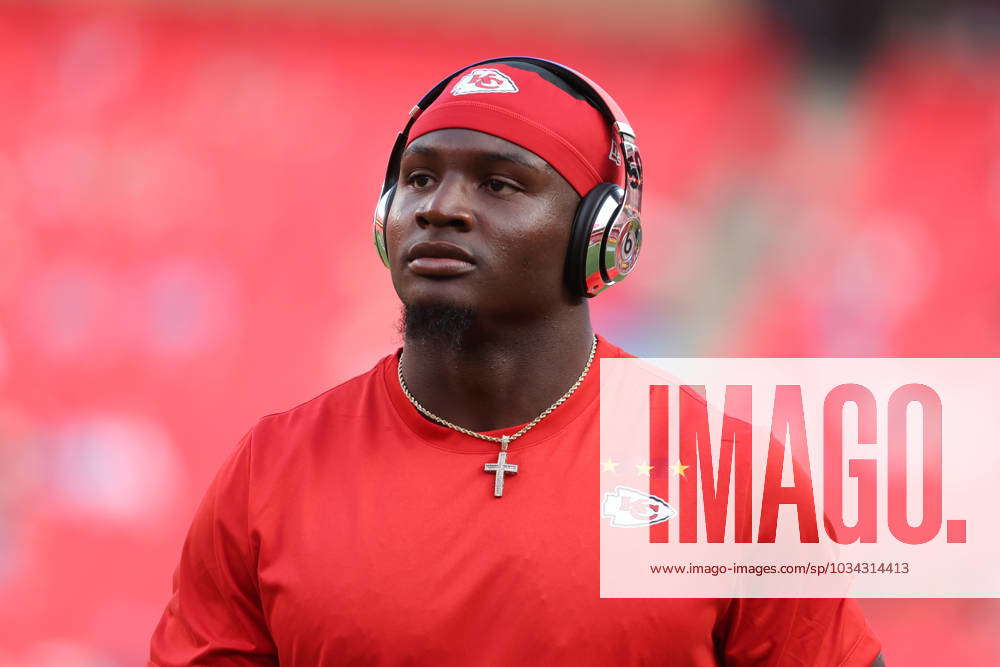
point(351, 530)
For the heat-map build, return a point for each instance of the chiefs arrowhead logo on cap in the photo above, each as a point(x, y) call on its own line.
point(484, 80)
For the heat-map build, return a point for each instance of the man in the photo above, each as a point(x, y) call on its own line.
point(360, 528)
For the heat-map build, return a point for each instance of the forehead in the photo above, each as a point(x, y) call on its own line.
point(463, 143)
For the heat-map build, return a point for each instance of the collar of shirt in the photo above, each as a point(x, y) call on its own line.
point(442, 437)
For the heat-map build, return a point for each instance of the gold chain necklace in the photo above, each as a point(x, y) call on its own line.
point(501, 467)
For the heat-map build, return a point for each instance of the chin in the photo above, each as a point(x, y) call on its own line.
point(437, 322)
point(419, 291)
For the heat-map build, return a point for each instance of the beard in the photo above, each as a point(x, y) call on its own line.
point(439, 324)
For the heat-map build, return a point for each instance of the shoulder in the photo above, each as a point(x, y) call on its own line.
point(321, 415)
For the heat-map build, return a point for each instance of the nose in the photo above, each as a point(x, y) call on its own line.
point(447, 205)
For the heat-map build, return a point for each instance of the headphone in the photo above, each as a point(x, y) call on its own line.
point(606, 234)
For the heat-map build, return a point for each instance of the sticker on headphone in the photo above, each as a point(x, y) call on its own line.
point(484, 80)
point(614, 155)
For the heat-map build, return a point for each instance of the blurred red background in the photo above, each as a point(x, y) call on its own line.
point(185, 203)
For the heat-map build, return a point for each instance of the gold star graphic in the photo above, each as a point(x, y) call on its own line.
point(679, 469)
point(643, 469)
point(609, 465)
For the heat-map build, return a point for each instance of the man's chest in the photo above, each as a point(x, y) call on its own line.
point(412, 560)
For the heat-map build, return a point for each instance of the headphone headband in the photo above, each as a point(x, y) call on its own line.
point(597, 96)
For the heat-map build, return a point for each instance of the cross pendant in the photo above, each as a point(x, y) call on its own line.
point(501, 467)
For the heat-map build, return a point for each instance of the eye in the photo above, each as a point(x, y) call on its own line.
point(419, 181)
point(498, 186)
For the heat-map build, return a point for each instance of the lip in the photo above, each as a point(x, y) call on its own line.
point(439, 259)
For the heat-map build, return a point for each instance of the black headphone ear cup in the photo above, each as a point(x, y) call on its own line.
point(379, 222)
point(580, 233)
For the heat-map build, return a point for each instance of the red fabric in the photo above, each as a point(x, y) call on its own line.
point(350, 530)
point(567, 132)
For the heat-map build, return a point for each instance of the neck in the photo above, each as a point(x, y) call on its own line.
point(502, 375)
